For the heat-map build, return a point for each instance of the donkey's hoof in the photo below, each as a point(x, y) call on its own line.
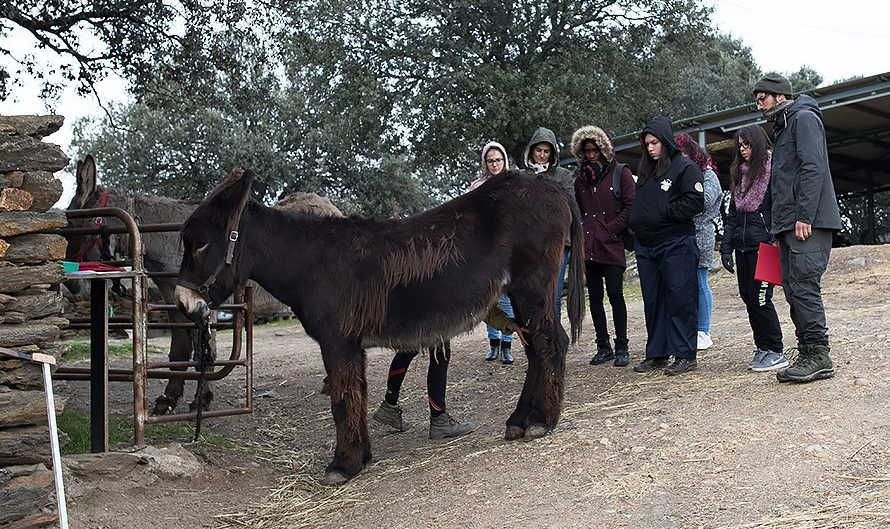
point(205, 402)
point(536, 431)
point(163, 405)
point(513, 432)
point(333, 478)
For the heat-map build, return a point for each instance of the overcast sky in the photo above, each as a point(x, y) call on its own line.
point(840, 40)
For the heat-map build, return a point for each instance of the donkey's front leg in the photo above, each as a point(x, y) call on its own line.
point(348, 392)
point(540, 402)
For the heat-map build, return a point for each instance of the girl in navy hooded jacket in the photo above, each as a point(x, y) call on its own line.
point(670, 193)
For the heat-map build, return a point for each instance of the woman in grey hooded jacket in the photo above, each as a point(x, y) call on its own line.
point(541, 159)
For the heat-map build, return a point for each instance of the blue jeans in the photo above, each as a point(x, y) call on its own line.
point(560, 282)
point(496, 334)
point(705, 302)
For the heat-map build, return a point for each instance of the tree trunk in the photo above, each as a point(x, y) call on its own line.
point(12, 224)
point(36, 247)
point(26, 445)
point(23, 408)
point(14, 278)
point(37, 305)
point(27, 333)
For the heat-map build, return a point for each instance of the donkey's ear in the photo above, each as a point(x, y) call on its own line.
point(233, 189)
point(86, 182)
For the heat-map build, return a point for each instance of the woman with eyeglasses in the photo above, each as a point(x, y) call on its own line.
point(747, 224)
point(604, 214)
point(704, 233)
point(494, 162)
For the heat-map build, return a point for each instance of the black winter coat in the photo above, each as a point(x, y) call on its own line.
point(745, 230)
point(801, 184)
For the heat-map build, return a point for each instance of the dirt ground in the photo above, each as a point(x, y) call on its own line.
point(719, 448)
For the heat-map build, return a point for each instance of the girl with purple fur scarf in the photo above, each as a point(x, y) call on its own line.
point(747, 225)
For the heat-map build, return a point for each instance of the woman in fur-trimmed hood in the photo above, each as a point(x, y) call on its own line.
point(604, 214)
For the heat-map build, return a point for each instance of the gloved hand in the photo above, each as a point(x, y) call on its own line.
point(726, 258)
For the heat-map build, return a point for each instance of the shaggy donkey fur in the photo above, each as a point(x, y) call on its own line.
point(405, 284)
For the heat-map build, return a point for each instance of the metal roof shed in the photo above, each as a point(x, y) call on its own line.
point(857, 124)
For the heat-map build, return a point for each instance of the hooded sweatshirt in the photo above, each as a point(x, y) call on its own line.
point(485, 174)
point(553, 172)
point(800, 184)
point(665, 205)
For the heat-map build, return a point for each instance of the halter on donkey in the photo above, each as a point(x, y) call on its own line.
point(404, 284)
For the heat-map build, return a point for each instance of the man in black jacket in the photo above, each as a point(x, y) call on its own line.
point(805, 216)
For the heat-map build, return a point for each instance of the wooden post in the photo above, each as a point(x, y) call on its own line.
point(98, 365)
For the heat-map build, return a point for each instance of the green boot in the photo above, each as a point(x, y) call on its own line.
point(812, 363)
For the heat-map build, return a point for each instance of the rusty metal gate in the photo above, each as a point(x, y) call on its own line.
point(100, 374)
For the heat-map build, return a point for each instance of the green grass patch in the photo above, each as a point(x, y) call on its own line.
point(120, 433)
point(80, 350)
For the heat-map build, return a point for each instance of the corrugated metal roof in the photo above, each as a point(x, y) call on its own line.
point(856, 115)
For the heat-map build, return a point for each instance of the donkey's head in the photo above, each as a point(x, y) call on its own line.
point(210, 268)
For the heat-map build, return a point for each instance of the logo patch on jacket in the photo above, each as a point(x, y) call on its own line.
point(700, 188)
point(666, 184)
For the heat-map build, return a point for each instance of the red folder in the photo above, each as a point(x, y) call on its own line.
point(768, 267)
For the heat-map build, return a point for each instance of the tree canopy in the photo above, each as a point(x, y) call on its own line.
point(384, 104)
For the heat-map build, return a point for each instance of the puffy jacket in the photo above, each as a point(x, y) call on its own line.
point(603, 216)
point(801, 185)
point(745, 230)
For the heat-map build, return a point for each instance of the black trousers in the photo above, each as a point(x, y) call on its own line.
point(758, 298)
point(613, 277)
point(803, 263)
point(436, 376)
point(669, 282)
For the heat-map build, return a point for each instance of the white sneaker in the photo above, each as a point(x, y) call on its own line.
point(704, 341)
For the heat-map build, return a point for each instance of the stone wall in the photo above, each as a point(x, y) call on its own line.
point(30, 313)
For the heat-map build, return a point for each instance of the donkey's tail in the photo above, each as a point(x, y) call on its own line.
point(576, 272)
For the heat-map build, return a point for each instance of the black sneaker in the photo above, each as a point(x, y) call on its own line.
point(680, 366)
point(651, 364)
point(603, 355)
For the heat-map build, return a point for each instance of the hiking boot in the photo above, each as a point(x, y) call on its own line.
point(506, 354)
point(651, 364)
point(443, 426)
point(680, 366)
point(603, 354)
point(758, 356)
point(812, 363)
point(622, 358)
point(495, 351)
point(769, 361)
point(703, 341)
point(390, 415)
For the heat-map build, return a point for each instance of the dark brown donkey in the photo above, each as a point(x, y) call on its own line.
point(404, 284)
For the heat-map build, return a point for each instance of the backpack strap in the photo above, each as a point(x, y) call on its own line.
point(616, 180)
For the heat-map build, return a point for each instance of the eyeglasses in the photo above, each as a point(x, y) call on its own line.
point(761, 98)
point(494, 161)
point(743, 145)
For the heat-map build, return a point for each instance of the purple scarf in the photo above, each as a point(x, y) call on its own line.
point(751, 200)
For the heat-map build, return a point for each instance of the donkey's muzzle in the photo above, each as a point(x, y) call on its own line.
point(191, 303)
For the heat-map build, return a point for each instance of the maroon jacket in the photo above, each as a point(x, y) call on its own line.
point(604, 217)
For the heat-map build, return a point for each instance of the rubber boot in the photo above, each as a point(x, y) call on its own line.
point(495, 349)
point(506, 353)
